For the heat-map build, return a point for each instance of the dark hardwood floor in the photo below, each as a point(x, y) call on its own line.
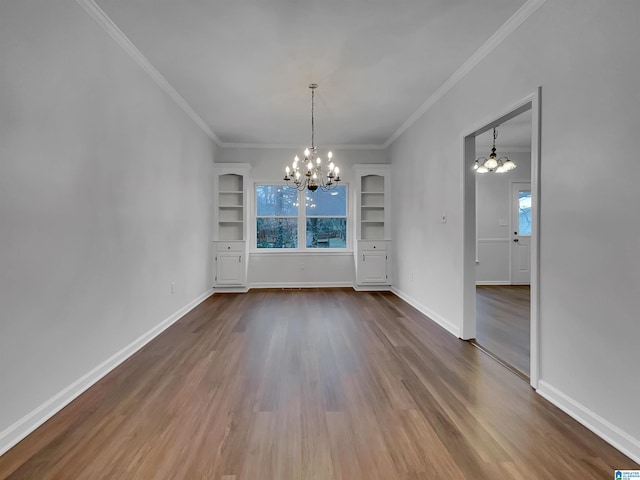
point(503, 323)
point(310, 384)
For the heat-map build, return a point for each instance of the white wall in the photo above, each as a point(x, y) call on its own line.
point(297, 269)
point(584, 54)
point(493, 199)
point(105, 199)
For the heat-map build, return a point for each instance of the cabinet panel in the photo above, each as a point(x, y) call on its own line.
point(230, 246)
point(370, 245)
point(373, 267)
point(229, 268)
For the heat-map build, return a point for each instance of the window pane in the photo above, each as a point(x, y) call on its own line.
point(276, 201)
point(277, 232)
point(326, 232)
point(330, 204)
point(524, 213)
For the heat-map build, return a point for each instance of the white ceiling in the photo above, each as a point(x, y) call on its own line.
point(245, 66)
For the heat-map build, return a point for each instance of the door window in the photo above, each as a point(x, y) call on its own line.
point(524, 213)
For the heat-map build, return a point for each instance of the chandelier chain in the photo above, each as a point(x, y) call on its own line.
point(313, 91)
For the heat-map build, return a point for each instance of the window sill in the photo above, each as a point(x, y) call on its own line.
point(299, 253)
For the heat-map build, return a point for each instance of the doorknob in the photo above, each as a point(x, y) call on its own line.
point(516, 240)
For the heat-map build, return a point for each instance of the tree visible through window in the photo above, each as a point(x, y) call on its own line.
point(283, 214)
point(276, 217)
point(327, 218)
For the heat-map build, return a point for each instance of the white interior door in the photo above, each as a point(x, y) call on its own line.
point(521, 233)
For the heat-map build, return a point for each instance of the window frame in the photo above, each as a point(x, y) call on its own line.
point(302, 224)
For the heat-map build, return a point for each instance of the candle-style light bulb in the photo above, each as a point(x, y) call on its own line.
point(331, 166)
point(306, 153)
point(287, 170)
point(310, 165)
point(330, 155)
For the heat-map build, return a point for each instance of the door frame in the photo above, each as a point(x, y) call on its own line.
point(468, 331)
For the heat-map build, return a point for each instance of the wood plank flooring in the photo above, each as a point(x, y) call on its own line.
point(503, 323)
point(311, 384)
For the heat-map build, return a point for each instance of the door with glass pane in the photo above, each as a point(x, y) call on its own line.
point(521, 233)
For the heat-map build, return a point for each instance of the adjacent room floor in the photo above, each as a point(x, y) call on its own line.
point(503, 323)
point(310, 384)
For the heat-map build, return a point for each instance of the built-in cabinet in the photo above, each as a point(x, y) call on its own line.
point(372, 226)
point(230, 226)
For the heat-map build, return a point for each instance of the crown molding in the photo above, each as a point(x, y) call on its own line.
point(289, 146)
point(487, 47)
point(121, 39)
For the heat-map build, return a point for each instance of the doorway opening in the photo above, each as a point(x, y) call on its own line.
point(500, 260)
point(503, 234)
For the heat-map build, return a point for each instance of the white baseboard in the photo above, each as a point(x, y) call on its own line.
point(231, 289)
point(493, 282)
point(612, 434)
point(447, 325)
point(27, 424)
point(372, 288)
point(301, 284)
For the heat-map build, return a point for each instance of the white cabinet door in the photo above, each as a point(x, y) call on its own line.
point(373, 267)
point(229, 268)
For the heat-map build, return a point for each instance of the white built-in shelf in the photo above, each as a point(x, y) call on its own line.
point(372, 206)
point(231, 199)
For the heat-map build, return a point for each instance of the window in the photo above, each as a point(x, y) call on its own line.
point(276, 217)
point(326, 214)
point(283, 215)
point(524, 213)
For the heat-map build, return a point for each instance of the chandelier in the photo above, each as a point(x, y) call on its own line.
point(493, 164)
point(310, 174)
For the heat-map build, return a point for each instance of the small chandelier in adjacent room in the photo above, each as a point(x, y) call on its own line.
point(309, 173)
point(493, 164)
